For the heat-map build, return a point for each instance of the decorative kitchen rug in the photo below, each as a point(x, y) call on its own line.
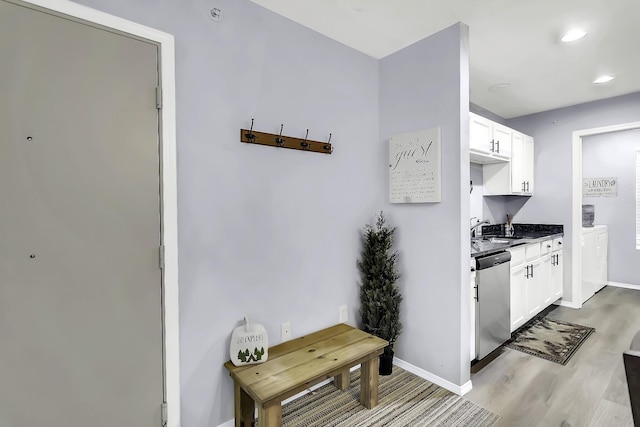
point(404, 399)
point(549, 339)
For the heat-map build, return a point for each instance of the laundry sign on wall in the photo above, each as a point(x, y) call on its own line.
point(599, 187)
point(415, 167)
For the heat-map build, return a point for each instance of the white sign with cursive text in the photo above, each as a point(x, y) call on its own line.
point(414, 167)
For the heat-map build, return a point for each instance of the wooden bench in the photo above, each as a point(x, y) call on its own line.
point(296, 365)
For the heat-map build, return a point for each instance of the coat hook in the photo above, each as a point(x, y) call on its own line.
point(250, 135)
point(279, 139)
point(305, 144)
point(327, 146)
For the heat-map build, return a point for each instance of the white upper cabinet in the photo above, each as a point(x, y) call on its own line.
point(489, 142)
point(522, 164)
point(502, 139)
point(509, 171)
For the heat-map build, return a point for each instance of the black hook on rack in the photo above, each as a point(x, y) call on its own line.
point(305, 144)
point(250, 135)
point(279, 139)
point(327, 146)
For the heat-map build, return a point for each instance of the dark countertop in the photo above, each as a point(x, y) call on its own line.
point(494, 240)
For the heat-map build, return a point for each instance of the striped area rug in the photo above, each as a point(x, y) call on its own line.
point(404, 400)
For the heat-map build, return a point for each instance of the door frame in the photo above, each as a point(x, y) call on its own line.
point(169, 208)
point(576, 210)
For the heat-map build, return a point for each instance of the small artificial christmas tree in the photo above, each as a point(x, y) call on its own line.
point(379, 295)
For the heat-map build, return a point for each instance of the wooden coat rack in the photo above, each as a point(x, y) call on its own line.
point(282, 141)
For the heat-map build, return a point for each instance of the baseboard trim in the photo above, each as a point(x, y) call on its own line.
point(459, 390)
point(564, 303)
point(624, 285)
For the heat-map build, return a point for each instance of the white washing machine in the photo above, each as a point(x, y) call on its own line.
point(594, 260)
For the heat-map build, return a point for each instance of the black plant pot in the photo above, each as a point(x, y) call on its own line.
point(386, 363)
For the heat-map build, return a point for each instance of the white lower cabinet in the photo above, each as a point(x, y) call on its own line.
point(518, 287)
point(533, 286)
point(557, 279)
point(518, 314)
point(546, 286)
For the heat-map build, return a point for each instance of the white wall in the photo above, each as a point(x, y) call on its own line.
point(422, 86)
point(552, 131)
point(614, 155)
point(272, 234)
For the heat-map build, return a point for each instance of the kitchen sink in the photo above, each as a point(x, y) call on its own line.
point(499, 240)
point(496, 239)
point(510, 240)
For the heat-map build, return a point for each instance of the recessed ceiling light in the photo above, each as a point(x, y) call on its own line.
point(573, 35)
point(603, 79)
point(499, 87)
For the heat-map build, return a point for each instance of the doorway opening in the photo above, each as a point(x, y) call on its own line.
point(576, 211)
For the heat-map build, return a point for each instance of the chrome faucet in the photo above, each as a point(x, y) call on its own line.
point(478, 224)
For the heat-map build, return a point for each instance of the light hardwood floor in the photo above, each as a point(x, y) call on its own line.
point(589, 391)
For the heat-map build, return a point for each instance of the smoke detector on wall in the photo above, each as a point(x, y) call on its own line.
point(215, 14)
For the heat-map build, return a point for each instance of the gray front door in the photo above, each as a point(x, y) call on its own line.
point(80, 225)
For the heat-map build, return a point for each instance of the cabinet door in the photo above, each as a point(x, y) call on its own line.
point(601, 260)
point(501, 141)
point(544, 281)
point(532, 288)
point(521, 164)
point(518, 312)
point(588, 264)
point(480, 134)
point(557, 275)
point(518, 180)
point(528, 163)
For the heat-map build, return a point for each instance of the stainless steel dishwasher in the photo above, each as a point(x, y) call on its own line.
point(493, 301)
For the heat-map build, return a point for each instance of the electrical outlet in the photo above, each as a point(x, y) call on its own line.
point(285, 331)
point(344, 314)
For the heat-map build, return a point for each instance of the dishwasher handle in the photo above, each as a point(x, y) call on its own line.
point(488, 261)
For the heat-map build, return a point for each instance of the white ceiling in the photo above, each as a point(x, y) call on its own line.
point(510, 41)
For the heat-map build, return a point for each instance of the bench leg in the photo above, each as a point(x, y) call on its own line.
point(369, 382)
point(244, 407)
point(270, 414)
point(342, 380)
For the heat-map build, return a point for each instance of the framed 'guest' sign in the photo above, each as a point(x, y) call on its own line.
point(414, 167)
